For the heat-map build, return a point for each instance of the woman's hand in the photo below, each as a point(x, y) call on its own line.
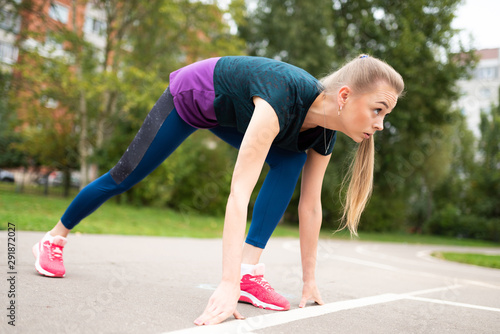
point(221, 305)
point(310, 292)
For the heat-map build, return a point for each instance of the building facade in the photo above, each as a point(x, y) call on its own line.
point(43, 18)
point(482, 90)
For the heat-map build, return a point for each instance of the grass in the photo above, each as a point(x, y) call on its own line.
point(40, 213)
point(483, 260)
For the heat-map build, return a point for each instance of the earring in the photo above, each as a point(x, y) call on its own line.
point(340, 109)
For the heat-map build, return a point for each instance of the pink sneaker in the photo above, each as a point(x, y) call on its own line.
point(48, 253)
point(258, 292)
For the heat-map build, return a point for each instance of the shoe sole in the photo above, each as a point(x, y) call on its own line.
point(251, 299)
point(38, 267)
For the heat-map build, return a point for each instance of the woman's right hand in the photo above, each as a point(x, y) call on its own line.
point(310, 291)
point(221, 305)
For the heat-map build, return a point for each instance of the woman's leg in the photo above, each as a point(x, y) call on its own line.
point(274, 196)
point(162, 132)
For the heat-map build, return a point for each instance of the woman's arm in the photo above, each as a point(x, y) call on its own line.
point(254, 148)
point(310, 217)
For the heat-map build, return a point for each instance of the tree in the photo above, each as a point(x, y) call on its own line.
point(485, 186)
point(415, 38)
point(44, 95)
point(9, 155)
point(144, 43)
point(468, 203)
point(100, 89)
point(179, 33)
point(294, 31)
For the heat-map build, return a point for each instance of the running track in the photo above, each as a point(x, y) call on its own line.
point(125, 284)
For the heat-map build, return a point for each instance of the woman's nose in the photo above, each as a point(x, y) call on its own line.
point(379, 125)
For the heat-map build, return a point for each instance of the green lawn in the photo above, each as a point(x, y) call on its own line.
point(40, 213)
point(490, 261)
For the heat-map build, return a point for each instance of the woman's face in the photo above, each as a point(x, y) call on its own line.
point(362, 115)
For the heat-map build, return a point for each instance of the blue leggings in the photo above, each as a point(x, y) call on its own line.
point(162, 132)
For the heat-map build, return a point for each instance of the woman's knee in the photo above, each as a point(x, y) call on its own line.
point(107, 184)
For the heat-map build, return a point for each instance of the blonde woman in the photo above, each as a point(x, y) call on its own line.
point(272, 112)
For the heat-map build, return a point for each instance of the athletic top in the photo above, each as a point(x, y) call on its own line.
point(220, 91)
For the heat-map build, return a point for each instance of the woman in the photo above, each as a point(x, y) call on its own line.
point(275, 113)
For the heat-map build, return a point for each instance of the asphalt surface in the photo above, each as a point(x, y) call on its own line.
point(125, 284)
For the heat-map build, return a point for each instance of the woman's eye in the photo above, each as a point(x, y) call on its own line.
point(377, 111)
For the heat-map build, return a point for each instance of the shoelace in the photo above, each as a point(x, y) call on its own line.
point(55, 252)
point(259, 279)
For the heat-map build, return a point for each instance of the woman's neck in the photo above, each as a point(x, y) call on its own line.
point(323, 112)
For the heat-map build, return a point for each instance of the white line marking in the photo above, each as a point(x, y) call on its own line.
point(482, 284)
point(423, 292)
point(445, 302)
point(426, 255)
point(275, 319)
point(372, 252)
point(362, 262)
point(249, 325)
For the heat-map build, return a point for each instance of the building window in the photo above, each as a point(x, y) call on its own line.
point(487, 73)
point(10, 21)
point(59, 12)
point(485, 93)
point(8, 53)
point(94, 26)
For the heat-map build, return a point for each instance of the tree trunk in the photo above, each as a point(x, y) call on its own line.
point(83, 143)
point(83, 146)
point(66, 181)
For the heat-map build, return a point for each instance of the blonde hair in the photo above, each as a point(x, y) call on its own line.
point(362, 75)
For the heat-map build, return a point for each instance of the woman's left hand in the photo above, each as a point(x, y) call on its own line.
point(221, 305)
point(310, 292)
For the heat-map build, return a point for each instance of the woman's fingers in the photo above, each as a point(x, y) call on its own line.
point(319, 301)
point(310, 292)
point(303, 302)
point(214, 317)
point(221, 305)
point(238, 315)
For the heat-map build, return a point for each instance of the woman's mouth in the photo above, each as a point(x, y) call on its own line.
point(367, 135)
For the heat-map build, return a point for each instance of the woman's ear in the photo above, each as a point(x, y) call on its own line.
point(344, 93)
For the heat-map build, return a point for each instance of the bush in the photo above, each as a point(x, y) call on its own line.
point(383, 216)
point(443, 221)
point(450, 222)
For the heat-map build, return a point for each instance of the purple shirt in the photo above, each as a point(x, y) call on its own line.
point(193, 90)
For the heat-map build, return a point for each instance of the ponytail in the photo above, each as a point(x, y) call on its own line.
point(360, 179)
